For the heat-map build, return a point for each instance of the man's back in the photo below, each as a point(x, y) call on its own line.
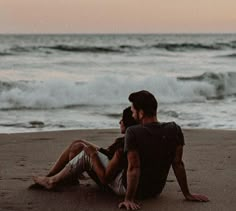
point(156, 144)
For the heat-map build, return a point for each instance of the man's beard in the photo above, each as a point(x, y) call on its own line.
point(138, 118)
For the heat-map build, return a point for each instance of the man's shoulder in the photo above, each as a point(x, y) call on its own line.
point(155, 125)
point(174, 130)
point(172, 125)
point(134, 130)
point(135, 127)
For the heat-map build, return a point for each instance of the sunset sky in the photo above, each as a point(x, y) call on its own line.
point(117, 16)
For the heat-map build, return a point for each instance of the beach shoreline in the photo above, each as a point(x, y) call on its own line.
point(209, 156)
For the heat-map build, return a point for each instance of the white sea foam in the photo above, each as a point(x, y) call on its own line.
point(108, 90)
point(83, 81)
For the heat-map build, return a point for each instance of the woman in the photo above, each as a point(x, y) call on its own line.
point(107, 164)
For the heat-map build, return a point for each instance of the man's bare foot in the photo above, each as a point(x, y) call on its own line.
point(44, 181)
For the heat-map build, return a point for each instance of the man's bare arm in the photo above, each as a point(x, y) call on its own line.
point(180, 173)
point(107, 174)
point(133, 174)
point(114, 166)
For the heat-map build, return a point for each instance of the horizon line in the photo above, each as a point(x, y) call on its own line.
point(118, 33)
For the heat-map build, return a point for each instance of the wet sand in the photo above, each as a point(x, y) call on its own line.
point(209, 155)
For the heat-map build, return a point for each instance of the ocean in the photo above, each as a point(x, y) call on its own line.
point(82, 81)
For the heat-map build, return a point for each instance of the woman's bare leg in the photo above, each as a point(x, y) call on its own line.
point(68, 154)
point(51, 182)
point(60, 163)
point(76, 166)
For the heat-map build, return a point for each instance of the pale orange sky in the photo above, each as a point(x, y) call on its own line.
point(117, 16)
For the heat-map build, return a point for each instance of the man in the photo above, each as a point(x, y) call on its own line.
point(151, 148)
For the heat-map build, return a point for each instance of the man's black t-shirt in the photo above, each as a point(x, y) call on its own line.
point(156, 144)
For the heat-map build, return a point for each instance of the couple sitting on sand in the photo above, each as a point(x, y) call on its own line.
point(136, 165)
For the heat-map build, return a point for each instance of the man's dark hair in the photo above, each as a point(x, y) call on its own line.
point(144, 100)
point(127, 118)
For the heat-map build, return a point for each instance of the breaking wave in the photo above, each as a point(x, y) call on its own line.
point(119, 48)
point(196, 46)
point(187, 46)
point(55, 94)
point(233, 55)
point(68, 48)
point(224, 83)
point(84, 49)
point(5, 54)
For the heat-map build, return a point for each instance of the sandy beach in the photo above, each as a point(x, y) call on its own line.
point(210, 160)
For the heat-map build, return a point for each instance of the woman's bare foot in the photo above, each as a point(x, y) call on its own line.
point(82, 177)
point(44, 181)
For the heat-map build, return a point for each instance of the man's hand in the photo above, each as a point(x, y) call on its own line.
point(129, 205)
point(196, 197)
